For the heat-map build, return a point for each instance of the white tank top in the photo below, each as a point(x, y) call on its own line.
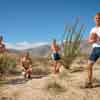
point(97, 31)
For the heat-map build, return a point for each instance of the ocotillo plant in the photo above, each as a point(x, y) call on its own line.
point(72, 38)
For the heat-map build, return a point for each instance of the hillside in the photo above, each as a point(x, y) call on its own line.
point(39, 51)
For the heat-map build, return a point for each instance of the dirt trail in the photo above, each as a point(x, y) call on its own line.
point(35, 89)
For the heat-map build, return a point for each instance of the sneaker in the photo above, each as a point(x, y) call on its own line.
point(29, 76)
point(88, 85)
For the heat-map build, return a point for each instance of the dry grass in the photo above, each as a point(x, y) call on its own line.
point(2, 82)
point(55, 87)
point(40, 70)
point(7, 64)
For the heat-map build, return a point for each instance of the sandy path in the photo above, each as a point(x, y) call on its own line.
point(34, 89)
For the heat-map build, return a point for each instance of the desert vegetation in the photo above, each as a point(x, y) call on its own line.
point(72, 39)
point(7, 64)
point(44, 85)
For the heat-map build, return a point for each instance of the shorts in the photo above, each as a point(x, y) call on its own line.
point(56, 56)
point(95, 54)
point(26, 68)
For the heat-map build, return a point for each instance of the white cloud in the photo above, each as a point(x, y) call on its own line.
point(24, 45)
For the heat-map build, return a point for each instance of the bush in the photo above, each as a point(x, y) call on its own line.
point(7, 64)
point(73, 39)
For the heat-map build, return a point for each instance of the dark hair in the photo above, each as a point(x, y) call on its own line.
point(98, 13)
point(54, 40)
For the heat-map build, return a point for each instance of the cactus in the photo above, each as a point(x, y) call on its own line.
point(71, 48)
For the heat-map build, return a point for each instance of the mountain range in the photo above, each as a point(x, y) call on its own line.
point(43, 50)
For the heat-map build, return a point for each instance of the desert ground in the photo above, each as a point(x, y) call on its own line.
point(45, 85)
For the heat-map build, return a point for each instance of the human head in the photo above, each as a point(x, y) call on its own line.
point(26, 54)
point(97, 19)
point(54, 41)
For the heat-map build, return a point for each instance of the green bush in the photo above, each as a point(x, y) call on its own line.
point(7, 64)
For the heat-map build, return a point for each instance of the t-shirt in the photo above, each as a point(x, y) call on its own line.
point(97, 31)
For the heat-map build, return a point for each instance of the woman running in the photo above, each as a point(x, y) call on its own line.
point(55, 56)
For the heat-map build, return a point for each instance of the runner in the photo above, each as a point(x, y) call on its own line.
point(94, 39)
point(55, 56)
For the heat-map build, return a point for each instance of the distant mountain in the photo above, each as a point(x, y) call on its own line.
point(38, 51)
point(43, 50)
point(13, 51)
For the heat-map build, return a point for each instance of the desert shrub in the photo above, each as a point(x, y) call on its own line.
point(7, 64)
point(71, 46)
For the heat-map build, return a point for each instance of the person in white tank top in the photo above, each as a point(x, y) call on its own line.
point(94, 40)
point(96, 30)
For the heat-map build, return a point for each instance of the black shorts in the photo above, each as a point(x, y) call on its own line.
point(26, 68)
point(56, 56)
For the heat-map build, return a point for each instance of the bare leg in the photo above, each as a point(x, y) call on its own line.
point(90, 71)
point(55, 66)
point(24, 73)
point(29, 72)
point(58, 66)
point(90, 75)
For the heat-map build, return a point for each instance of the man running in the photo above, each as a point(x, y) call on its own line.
point(94, 39)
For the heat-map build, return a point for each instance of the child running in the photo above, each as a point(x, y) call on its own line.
point(26, 63)
point(94, 39)
point(55, 56)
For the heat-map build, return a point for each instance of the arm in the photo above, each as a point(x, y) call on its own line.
point(92, 38)
point(30, 66)
point(55, 47)
point(52, 47)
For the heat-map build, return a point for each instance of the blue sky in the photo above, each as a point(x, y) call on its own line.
point(42, 20)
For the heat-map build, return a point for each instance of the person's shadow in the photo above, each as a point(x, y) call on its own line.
point(17, 81)
point(22, 80)
point(96, 82)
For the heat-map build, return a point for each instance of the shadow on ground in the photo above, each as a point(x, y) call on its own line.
point(21, 80)
point(17, 81)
